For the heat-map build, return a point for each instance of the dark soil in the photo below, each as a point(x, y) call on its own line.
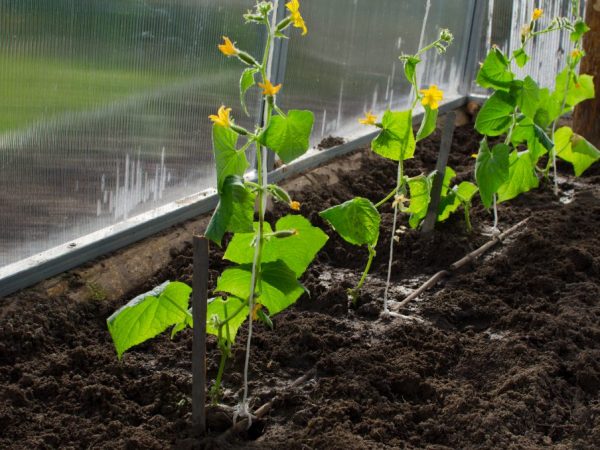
point(505, 354)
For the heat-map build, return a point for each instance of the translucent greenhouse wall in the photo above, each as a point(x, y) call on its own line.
point(105, 102)
point(350, 63)
point(104, 111)
point(504, 19)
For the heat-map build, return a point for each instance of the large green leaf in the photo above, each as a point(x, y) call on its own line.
point(495, 116)
point(356, 221)
point(491, 170)
point(528, 99)
point(229, 160)
point(538, 142)
point(296, 251)
point(521, 178)
point(578, 88)
point(495, 72)
point(235, 211)
point(148, 315)
point(278, 287)
point(396, 140)
point(575, 149)
point(246, 82)
point(288, 136)
point(428, 124)
point(420, 197)
point(521, 57)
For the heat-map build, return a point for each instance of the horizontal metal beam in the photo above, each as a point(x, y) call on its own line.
point(52, 262)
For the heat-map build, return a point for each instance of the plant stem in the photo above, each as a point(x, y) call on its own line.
point(354, 292)
point(261, 157)
point(468, 217)
point(387, 198)
point(399, 188)
point(495, 212)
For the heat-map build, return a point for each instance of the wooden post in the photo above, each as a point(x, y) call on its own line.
point(442, 162)
point(585, 119)
point(199, 305)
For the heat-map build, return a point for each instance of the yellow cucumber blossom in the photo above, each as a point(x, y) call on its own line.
point(400, 200)
point(575, 54)
point(294, 8)
point(432, 97)
point(222, 117)
point(227, 48)
point(369, 119)
point(537, 13)
point(269, 89)
point(294, 205)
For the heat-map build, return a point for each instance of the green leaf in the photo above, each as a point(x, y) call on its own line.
point(289, 136)
point(356, 221)
point(575, 149)
point(410, 68)
point(420, 197)
point(550, 108)
point(229, 160)
point(219, 310)
point(580, 29)
point(495, 116)
point(246, 82)
point(461, 194)
point(296, 251)
point(428, 124)
point(495, 72)
point(578, 89)
point(491, 170)
point(449, 175)
point(465, 191)
point(529, 97)
point(148, 315)
point(521, 57)
point(521, 178)
point(278, 286)
point(396, 140)
point(538, 142)
point(235, 211)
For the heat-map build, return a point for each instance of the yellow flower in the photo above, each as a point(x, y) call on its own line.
point(400, 200)
point(576, 54)
point(269, 89)
point(474, 155)
point(370, 119)
point(294, 8)
point(432, 96)
point(295, 205)
point(255, 311)
point(227, 48)
point(537, 13)
point(222, 118)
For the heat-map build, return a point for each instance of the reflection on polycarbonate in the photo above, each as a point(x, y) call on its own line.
point(104, 111)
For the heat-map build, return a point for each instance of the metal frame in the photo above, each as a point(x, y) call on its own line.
point(52, 262)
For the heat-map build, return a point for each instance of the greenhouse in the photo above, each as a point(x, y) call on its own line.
point(300, 224)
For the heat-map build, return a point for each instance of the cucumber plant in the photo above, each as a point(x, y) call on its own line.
point(267, 261)
point(527, 115)
point(358, 220)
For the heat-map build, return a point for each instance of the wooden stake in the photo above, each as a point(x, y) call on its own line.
point(199, 305)
point(442, 162)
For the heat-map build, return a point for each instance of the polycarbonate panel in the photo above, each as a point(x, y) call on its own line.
point(548, 52)
point(104, 110)
point(348, 63)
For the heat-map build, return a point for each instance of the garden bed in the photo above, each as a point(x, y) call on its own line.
point(506, 354)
